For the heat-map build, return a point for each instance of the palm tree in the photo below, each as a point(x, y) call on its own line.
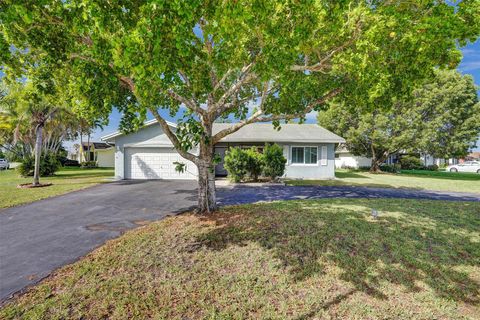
point(31, 110)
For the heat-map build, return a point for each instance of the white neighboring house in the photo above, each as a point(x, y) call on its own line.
point(149, 154)
point(345, 159)
point(100, 152)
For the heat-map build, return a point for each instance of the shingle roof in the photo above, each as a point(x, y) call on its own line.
point(265, 132)
point(292, 132)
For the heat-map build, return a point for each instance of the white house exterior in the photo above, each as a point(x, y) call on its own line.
point(102, 153)
point(345, 159)
point(149, 154)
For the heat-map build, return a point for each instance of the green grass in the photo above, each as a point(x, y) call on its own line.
point(414, 179)
point(309, 259)
point(65, 180)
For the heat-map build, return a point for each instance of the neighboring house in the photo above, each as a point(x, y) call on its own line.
point(472, 156)
point(149, 154)
point(345, 159)
point(100, 152)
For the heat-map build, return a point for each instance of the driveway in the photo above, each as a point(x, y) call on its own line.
point(37, 238)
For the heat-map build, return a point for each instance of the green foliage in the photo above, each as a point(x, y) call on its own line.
point(254, 163)
point(391, 168)
point(432, 167)
point(236, 162)
point(49, 164)
point(441, 119)
point(411, 162)
point(273, 161)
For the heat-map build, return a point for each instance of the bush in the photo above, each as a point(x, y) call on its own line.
point(411, 163)
point(236, 163)
point(273, 161)
point(89, 164)
point(254, 163)
point(48, 165)
point(71, 163)
point(391, 168)
point(432, 167)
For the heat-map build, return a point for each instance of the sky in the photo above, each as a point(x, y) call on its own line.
point(470, 65)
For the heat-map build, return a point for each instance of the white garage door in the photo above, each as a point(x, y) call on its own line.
point(156, 163)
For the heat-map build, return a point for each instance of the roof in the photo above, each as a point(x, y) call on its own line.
point(96, 145)
point(265, 132)
point(291, 132)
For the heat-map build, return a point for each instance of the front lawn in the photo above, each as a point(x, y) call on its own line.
point(309, 259)
point(416, 179)
point(65, 180)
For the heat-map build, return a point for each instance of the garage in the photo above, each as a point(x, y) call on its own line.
point(155, 163)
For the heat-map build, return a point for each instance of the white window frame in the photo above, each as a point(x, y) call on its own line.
point(303, 164)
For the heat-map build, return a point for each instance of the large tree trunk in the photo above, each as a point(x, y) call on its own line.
point(375, 167)
point(207, 198)
point(38, 153)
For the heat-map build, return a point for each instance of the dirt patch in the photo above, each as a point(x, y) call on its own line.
point(30, 185)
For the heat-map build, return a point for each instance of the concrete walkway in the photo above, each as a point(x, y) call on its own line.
point(37, 238)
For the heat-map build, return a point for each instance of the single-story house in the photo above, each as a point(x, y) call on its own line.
point(100, 152)
point(345, 159)
point(149, 154)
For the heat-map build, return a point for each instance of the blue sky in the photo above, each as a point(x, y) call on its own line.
point(470, 65)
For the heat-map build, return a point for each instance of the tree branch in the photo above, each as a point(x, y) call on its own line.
point(190, 104)
point(173, 138)
point(260, 117)
point(244, 77)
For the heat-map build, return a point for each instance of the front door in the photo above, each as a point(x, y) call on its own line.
point(219, 168)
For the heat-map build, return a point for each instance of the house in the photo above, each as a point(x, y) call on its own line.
point(100, 152)
point(346, 159)
point(149, 154)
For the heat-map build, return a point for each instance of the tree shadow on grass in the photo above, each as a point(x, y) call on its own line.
point(350, 174)
point(402, 247)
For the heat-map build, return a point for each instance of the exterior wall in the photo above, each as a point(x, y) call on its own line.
point(152, 136)
point(148, 137)
point(105, 158)
point(348, 160)
point(310, 171)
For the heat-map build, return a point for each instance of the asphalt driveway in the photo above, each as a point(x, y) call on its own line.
point(37, 238)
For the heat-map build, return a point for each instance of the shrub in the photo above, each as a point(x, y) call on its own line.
point(432, 167)
point(273, 161)
point(254, 163)
point(71, 163)
point(391, 168)
point(89, 164)
point(48, 165)
point(236, 163)
point(411, 163)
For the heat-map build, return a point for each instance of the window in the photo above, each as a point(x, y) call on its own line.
point(304, 155)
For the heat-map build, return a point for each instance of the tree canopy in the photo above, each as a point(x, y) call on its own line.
point(441, 118)
point(249, 60)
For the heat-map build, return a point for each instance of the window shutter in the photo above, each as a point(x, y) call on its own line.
point(324, 156)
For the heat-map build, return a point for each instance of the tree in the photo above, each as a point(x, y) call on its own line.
point(449, 114)
point(33, 105)
point(442, 118)
point(255, 61)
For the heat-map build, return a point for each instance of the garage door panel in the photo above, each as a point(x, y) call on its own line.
point(155, 163)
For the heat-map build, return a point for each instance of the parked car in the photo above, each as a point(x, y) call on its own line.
point(4, 164)
point(467, 166)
